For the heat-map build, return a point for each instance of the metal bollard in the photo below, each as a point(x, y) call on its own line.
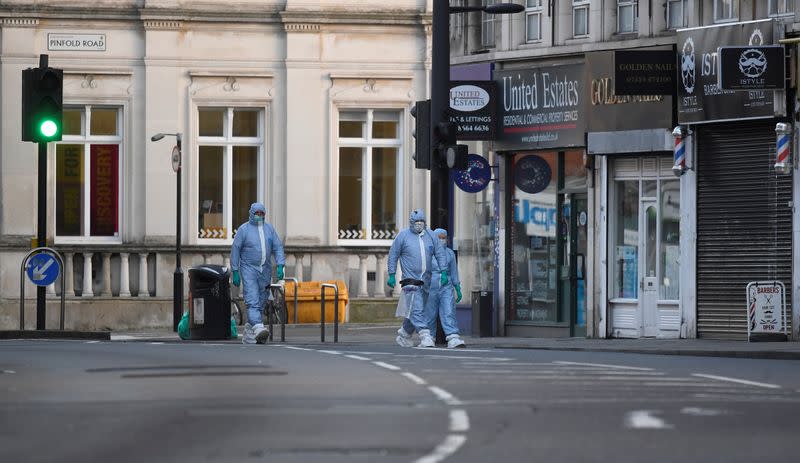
point(282, 290)
point(335, 312)
point(296, 290)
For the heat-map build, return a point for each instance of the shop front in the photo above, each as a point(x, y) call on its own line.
point(743, 203)
point(546, 207)
point(638, 201)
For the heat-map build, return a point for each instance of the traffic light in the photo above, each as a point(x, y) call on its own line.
point(42, 99)
point(448, 151)
point(421, 112)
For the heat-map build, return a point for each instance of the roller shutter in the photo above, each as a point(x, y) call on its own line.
point(744, 223)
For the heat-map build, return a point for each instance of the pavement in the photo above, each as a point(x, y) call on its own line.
point(351, 334)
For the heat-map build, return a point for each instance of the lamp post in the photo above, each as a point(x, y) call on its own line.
point(177, 280)
point(440, 102)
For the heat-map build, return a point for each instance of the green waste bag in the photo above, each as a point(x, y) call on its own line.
point(183, 327)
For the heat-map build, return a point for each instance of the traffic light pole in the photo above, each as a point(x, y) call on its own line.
point(177, 279)
point(41, 231)
point(440, 82)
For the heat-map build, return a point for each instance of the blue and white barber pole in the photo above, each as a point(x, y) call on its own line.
point(679, 168)
point(783, 163)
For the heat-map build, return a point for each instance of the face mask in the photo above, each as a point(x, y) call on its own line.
point(258, 219)
point(418, 227)
point(443, 241)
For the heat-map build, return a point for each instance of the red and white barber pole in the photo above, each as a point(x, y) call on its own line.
point(783, 145)
point(679, 168)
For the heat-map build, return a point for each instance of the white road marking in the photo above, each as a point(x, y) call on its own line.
point(697, 411)
point(414, 378)
point(387, 366)
point(295, 348)
point(444, 396)
point(9, 372)
point(736, 380)
point(156, 343)
point(458, 357)
point(449, 446)
point(644, 419)
point(370, 353)
point(91, 342)
point(459, 421)
point(122, 337)
point(572, 373)
point(332, 352)
point(444, 349)
point(357, 357)
point(602, 365)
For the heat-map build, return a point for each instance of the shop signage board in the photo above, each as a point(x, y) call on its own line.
point(541, 107)
point(700, 99)
point(475, 177)
point(644, 72)
point(766, 309)
point(752, 68)
point(473, 109)
point(609, 111)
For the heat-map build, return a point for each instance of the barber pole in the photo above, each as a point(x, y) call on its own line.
point(680, 153)
point(783, 145)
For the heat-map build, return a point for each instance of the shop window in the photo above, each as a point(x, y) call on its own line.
point(89, 173)
point(580, 18)
point(369, 146)
point(627, 16)
point(230, 146)
point(625, 280)
point(533, 20)
point(726, 10)
point(677, 14)
point(670, 239)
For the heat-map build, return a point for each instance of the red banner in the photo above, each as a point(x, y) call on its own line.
point(104, 190)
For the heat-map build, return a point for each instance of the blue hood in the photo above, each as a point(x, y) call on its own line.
point(416, 214)
point(255, 207)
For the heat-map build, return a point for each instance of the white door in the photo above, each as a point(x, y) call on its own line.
point(649, 280)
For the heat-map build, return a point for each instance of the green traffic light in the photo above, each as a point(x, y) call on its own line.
point(48, 128)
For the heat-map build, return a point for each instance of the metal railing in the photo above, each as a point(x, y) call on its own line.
point(33, 252)
point(335, 312)
point(296, 290)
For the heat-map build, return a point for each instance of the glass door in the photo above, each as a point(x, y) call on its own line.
point(572, 271)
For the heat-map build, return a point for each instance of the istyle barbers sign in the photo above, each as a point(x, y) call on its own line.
point(541, 107)
point(700, 99)
point(608, 111)
point(473, 109)
point(752, 68)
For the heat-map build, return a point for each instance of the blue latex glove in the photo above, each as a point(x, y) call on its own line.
point(236, 280)
point(458, 293)
point(444, 278)
point(391, 281)
point(280, 272)
point(183, 326)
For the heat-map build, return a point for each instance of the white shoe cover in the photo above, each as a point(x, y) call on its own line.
point(260, 333)
point(425, 339)
point(248, 337)
point(404, 339)
point(454, 341)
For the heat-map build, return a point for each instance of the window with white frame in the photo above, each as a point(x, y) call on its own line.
point(533, 20)
point(230, 160)
point(627, 16)
point(580, 18)
point(677, 14)
point(369, 147)
point(781, 7)
point(487, 27)
point(726, 10)
point(89, 173)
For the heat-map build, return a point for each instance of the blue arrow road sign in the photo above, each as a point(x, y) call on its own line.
point(43, 269)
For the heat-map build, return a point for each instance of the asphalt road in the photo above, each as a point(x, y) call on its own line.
point(142, 401)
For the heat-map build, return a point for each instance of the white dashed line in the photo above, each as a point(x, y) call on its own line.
point(415, 378)
point(459, 421)
point(91, 342)
point(332, 352)
point(603, 365)
point(644, 419)
point(357, 357)
point(387, 366)
point(296, 348)
point(9, 372)
point(156, 343)
point(449, 446)
point(444, 396)
point(736, 380)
